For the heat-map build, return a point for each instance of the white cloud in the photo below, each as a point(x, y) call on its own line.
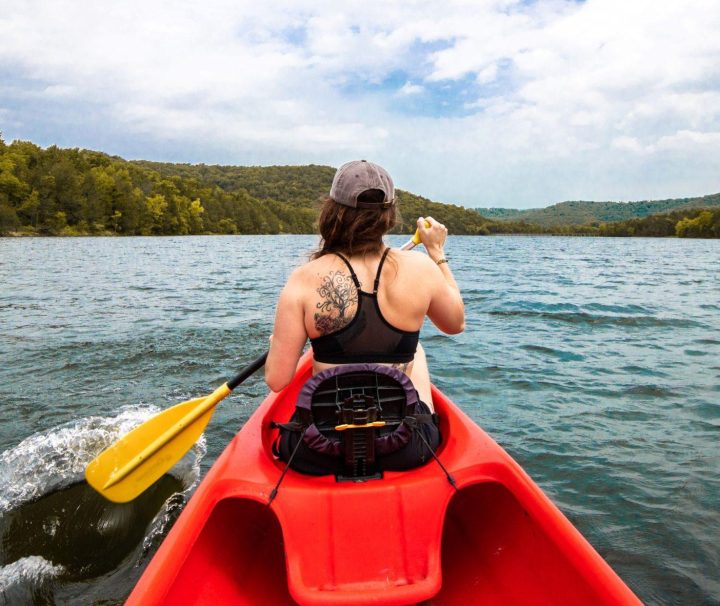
point(410, 89)
point(60, 90)
point(687, 140)
point(487, 74)
point(628, 144)
point(483, 103)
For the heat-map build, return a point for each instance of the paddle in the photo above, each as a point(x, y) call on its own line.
point(131, 465)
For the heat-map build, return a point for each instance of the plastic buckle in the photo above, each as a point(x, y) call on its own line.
point(346, 426)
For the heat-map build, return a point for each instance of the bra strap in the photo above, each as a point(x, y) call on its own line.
point(379, 271)
point(352, 271)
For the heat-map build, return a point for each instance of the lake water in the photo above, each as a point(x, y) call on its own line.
point(594, 362)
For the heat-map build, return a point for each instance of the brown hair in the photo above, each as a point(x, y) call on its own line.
point(354, 231)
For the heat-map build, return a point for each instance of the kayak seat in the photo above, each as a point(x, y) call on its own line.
point(355, 421)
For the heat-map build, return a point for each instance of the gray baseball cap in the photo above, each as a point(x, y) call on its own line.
point(358, 176)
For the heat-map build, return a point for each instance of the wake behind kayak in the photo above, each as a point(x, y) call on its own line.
point(80, 531)
point(58, 537)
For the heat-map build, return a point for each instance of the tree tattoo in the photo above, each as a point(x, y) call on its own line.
point(339, 295)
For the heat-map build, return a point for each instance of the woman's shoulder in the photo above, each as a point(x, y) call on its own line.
point(407, 254)
point(412, 258)
point(313, 268)
point(419, 268)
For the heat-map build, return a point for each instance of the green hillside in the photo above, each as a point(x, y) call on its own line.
point(501, 213)
point(304, 186)
point(585, 213)
point(683, 223)
point(298, 185)
point(73, 192)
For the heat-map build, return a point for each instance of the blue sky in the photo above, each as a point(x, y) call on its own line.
point(480, 103)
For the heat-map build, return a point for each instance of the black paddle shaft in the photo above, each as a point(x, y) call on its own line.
point(249, 370)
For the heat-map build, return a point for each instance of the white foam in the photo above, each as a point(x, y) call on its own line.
point(56, 458)
point(19, 579)
point(187, 470)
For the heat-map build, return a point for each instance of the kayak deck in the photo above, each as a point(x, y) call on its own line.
point(405, 539)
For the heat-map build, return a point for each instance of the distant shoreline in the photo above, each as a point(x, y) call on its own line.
point(128, 236)
point(85, 193)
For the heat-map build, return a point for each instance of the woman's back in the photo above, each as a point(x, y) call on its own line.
point(330, 297)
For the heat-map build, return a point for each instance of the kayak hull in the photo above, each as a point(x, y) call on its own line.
point(405, 539)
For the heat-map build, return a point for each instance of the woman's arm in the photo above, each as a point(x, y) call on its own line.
point(289, 335)
point(447, 309)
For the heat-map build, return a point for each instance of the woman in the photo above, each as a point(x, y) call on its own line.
point(357, 300)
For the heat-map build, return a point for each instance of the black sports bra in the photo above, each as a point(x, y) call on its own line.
point(369, 337)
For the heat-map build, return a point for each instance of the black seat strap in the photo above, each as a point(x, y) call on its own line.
point(274, 491)
point(289, 426)
point(424, 419)
point(413, 424)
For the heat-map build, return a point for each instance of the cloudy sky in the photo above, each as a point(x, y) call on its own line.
point(480, 103)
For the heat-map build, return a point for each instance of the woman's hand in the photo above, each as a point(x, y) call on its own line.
point(433, 237)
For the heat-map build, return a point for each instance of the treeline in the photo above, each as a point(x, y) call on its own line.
point(79, 192)
point(587, 213)
point(525, 228)
point(686, 223)
point(71, 192)
point(303, 186)
point(299, 185)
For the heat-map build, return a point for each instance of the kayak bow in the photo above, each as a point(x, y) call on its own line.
point(407, 538)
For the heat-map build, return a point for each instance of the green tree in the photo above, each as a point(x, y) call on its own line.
point(29, 209)
point(56, 223)
point(227, 226)
point(699, 227)
point(9, 220)
point(155, 207)
point(12, 189)
point(195, 218)
point(115, 221)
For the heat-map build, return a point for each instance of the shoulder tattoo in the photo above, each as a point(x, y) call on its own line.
point(338, 296)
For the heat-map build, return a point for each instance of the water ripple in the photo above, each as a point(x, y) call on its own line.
point(593, 361)
point(597, 319)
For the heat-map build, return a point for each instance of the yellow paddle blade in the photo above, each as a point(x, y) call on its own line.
point(131, 465)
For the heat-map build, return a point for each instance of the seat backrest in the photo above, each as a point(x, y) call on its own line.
point(356, 407)
point(388, 395)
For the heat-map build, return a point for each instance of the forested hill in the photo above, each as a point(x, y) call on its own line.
point(57, 191)
point(585, 213)
point(303, 186)
point(73, 192)
point(298, 185)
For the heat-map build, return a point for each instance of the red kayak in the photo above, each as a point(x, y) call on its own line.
point(408, 538)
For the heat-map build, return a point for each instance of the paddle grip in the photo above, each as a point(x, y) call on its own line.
point(250, 369)
point(415, 240)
